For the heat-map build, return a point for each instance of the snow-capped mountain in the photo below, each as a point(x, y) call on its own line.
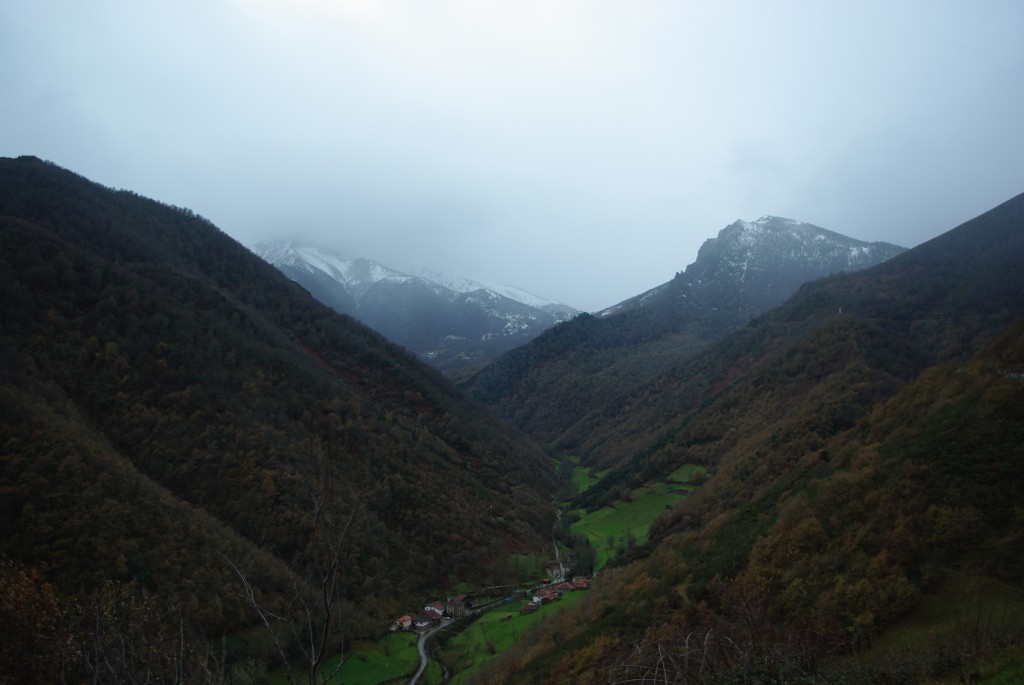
point(467, 285)
point(753, 265)
point(595, 368)
point(450, 322)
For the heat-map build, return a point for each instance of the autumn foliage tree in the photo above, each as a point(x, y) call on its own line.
point(30, 641)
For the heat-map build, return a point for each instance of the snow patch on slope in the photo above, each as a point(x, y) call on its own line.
point(468, 285)
point(359, 274)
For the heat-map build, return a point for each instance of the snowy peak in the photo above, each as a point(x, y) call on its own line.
point(450, 321)
point(454, 283)
point(773, 244)
point(360, 273)
point(468, 285)
point(357, 275)
point(752, 265)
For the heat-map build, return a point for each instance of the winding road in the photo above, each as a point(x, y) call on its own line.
point(421, 644)
point(421, 647)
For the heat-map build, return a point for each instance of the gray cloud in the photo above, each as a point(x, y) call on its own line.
point(582, 149)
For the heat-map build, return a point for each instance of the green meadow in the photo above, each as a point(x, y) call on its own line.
point(495, 632)
point(625, 522)
point(966, 615)
point(581, 477)
point(392, 659)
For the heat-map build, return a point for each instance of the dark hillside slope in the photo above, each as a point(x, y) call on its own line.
point(561, 386)
point(793, 557)
point(961, 287)
point(941, 300)
point(856, 459)
point(804, 372)
point(167, 394)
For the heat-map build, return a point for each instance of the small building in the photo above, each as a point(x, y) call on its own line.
point(435, 607)
point(529, 608)
point(423, 621)
point(403, 622)
point(580, 583)
point(458, 605)
point(545, 596)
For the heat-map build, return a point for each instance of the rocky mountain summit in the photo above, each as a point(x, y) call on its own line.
point(753, 265)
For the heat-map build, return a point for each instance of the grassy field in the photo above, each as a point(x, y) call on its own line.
point(1009, 670)
point(963, 603)
point(392, 659)
point(581, 477)
point(525, 567)
point(967, 615)
point(494, 632)
point(612, 527)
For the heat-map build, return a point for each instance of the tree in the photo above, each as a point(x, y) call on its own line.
point(29, 637)
point(127, 635)
point(311, 620)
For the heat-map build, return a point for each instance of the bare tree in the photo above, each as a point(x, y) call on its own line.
point(311, 619)
point(741, 643)
point(129, 636)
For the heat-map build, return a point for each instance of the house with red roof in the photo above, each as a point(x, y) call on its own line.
point(545, 596)
point(435, 608)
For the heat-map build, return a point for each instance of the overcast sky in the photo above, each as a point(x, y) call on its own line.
point(580, 149)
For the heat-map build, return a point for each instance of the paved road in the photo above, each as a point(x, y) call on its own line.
point(421, 647)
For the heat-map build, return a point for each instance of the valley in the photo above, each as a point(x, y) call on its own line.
point(809, 462)
point(588, 542)
point(460, 647)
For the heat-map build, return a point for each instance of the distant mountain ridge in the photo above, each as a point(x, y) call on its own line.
point(585, 367)
point(765, 261)
point(449, 322)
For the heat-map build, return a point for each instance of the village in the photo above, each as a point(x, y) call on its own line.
point(441, 612)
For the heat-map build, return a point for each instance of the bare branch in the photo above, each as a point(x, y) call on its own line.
point(318, 604)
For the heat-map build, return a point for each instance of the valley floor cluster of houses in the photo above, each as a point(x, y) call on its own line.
point(436, 613)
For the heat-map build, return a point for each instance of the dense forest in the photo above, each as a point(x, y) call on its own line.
point(178, 417)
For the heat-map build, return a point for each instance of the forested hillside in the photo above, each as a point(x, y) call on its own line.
point(564, 386)
point(863, 443)
point(186, 434)
point(173, 407)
